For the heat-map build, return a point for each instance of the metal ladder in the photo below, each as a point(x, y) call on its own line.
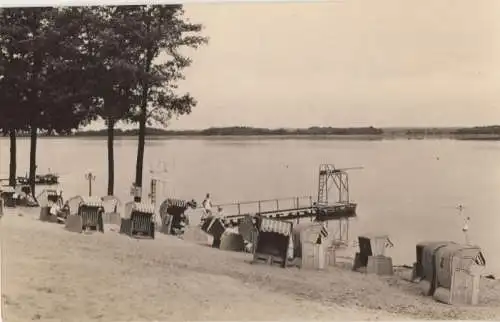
point(322, 188)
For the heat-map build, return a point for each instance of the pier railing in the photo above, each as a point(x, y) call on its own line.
point(266, 206)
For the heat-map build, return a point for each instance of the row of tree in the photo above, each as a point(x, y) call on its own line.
point(61, 68)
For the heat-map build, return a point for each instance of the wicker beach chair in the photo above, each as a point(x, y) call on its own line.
point(171, 215)
point(73, 204)
point(111, 214)
point(425, 266)
point(7, 194)
point(89, 216)
point(138, 220)
point(273, 241)
point(248, 230)
point(458, 272)
point(46, 199)
point(215, 227)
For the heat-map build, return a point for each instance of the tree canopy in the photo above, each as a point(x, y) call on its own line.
point(63, 67)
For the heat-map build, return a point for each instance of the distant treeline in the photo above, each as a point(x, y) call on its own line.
point(494, 129)
point(248, 131)
point(242, 131)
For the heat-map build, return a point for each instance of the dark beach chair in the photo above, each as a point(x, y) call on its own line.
point(138, 220)
point(215, 227)
point(369, 246)
point(172, 215)
point(7, 194)
point(273, 241)
point(89, 217)
point(249, 232)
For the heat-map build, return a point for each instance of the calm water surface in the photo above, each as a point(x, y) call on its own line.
point(407, 189)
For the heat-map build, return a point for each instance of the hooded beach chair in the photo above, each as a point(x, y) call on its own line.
point(215, 227)
point(73, 203)
point(248, 230)
point(172, 214)
point(46, 199)
point(25, 197)
point(138, 220)
point(88, 217)
point(111, 214)
point(7, 193)
point(273, 241)
point(458, 273)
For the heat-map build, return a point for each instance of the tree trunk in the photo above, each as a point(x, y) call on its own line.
point(139, 165)
point(140, 153)
point(32, 175)
point(13, 158)
point(111, 160)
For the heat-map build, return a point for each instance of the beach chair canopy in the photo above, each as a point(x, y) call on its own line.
point(171, 206)
point(132, 206)
point(74, 203)
point(374, 244)
point(111, 203)
point(425, 258)
point(274, 239)
point(308, 233)
point(91, 202)
point(7, 189)
point(269, 225)
point(47, 195)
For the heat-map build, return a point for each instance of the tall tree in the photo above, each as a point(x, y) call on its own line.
point(161, 31)
point(10, 117)
point(72, 102)
point(13, 67)
point(111, 63)
point(44, 40)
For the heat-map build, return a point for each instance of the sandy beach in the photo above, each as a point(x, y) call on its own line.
point(51, 274)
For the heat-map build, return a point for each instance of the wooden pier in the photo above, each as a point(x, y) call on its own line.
point(329, 205)
point(294, 208)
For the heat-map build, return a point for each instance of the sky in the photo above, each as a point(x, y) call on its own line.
point(349, 63)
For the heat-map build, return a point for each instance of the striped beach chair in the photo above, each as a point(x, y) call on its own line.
point(88, 217)
point(273, 241)
point(172, 212)
point(138, 220)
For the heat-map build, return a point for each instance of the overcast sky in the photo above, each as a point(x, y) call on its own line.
point(346, 63)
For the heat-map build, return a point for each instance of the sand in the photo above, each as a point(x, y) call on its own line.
point(52, 274)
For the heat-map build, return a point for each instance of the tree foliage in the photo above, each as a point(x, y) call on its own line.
point(162, 33)
point(64, 67)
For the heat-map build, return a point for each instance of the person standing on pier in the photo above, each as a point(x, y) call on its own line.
point(207, 207)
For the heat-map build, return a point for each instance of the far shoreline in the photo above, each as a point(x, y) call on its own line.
point(333, 137)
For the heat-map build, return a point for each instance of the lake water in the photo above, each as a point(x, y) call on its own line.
point(407, 189)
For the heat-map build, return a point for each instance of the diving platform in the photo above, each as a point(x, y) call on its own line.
point(332, 202)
